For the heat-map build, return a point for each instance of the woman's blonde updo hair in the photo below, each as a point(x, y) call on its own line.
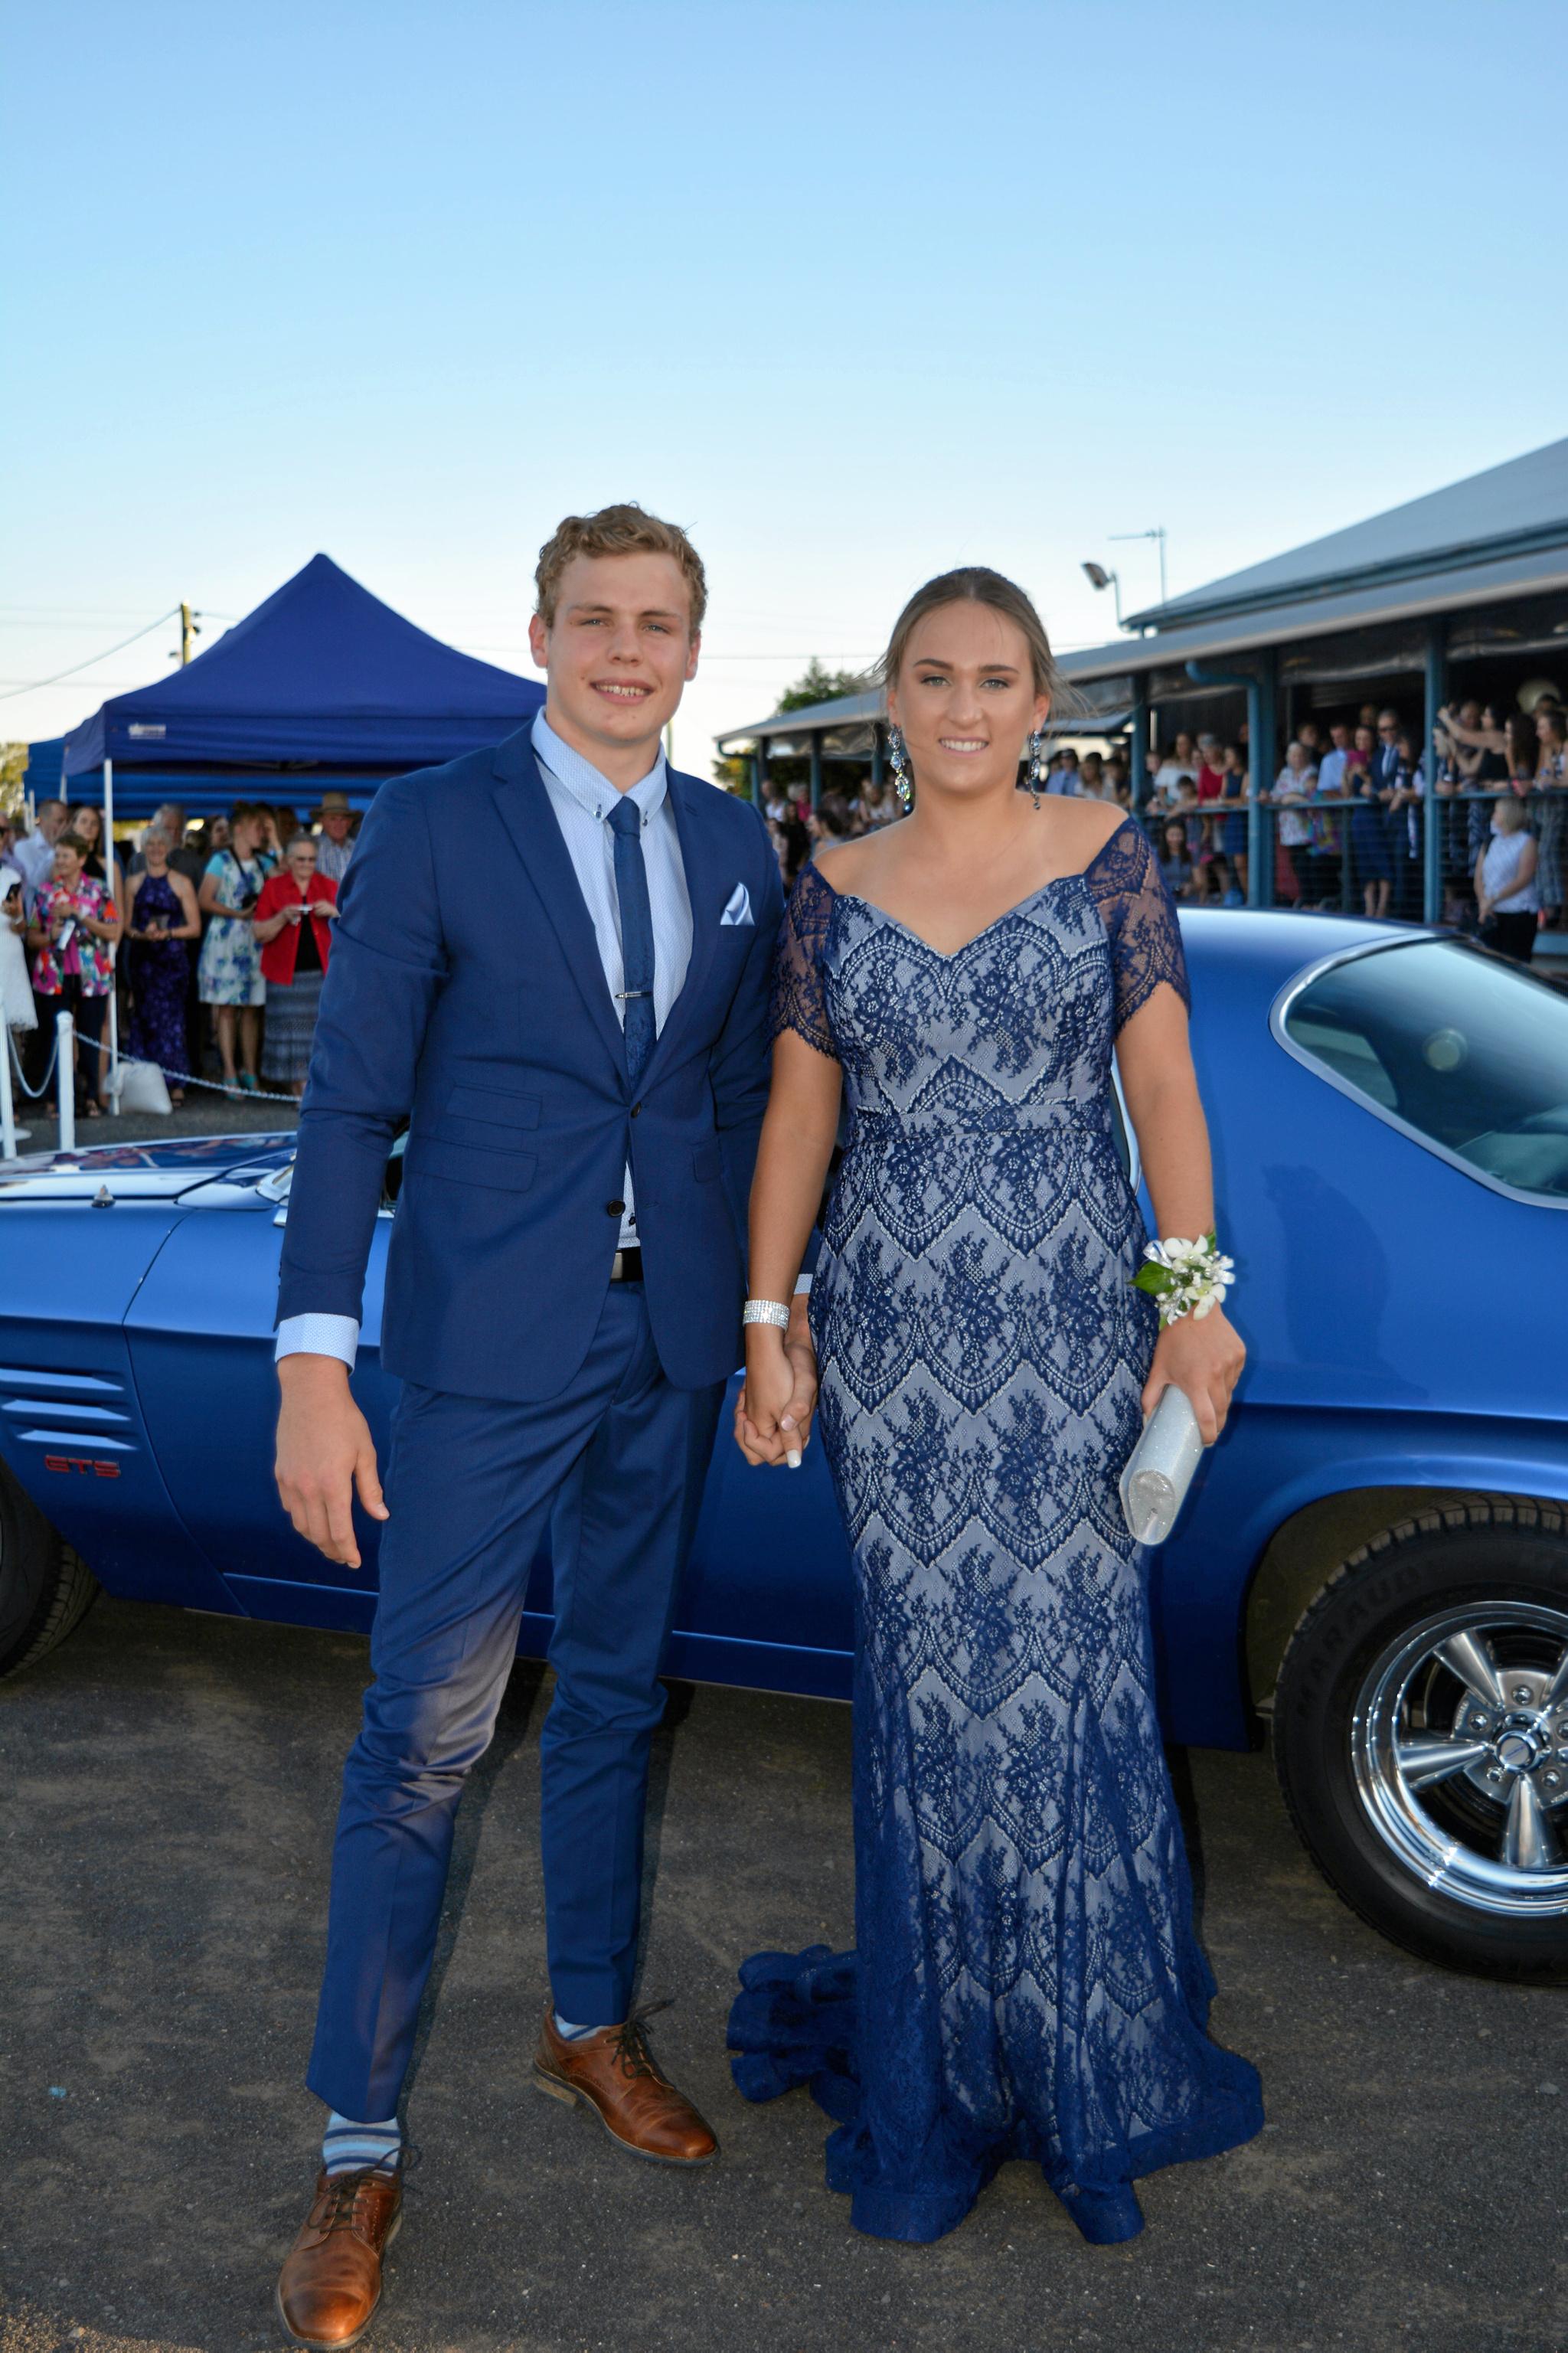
point(976, 584)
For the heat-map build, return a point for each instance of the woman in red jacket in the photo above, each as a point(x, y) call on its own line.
point(293, 921)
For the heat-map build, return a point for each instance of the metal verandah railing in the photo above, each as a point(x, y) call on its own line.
point(1352, 853)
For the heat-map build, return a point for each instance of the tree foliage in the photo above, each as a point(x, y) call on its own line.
point(819, 685)
point(12, 768)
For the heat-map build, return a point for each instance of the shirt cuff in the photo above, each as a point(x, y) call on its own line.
point(318, 1335)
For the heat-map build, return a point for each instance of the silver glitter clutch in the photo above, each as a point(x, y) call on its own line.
point(1160, 1467)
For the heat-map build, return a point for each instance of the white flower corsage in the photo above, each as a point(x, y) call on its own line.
point(1185, 1278)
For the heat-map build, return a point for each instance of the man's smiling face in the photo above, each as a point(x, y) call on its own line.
point(618, 650)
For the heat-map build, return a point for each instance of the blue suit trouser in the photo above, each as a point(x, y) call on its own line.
point(615, 1465)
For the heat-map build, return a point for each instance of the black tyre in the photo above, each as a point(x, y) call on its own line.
point(1421, 1736)
point(45, 1588)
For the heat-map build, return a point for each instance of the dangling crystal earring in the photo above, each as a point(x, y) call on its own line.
point(1037, 765)
point(901, 783)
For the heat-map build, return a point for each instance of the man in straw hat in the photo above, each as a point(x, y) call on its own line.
point(336, 846)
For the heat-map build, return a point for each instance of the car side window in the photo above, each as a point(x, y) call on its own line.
point(1349, 1054)
point(1459, 1046)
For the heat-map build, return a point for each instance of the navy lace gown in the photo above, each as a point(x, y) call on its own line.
point(1027, 1981)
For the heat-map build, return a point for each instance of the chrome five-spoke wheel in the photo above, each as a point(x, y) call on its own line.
point(1459, 1745)
point(1421, 1735)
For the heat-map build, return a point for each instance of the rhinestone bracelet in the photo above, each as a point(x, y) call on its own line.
point(767, 1311)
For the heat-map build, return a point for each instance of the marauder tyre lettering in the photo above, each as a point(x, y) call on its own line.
point(1421, 1736)
point(45, 1588)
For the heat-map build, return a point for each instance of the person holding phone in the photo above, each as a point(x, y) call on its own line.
point(75, 925)
point(293, 929)
point(229, 975)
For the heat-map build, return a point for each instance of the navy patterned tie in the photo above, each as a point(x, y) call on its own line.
point(637, 936)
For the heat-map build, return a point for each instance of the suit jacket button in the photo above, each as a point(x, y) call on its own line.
point(614, 1208)
point(635, 1108)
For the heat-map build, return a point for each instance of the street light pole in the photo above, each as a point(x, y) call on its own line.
point(189, 628)
point(1159, 533)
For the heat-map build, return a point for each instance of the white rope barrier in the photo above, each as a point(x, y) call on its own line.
point(11, 1064)
point(188, 1078)
point(15, 1059)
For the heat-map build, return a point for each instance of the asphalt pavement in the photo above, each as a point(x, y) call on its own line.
point(168, 1785)
point(208, 1113)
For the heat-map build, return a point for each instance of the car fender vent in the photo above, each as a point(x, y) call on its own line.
point(56, 1408)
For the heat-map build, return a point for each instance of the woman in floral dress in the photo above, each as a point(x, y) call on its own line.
point(72, 933)
point(228, 977)
point(1028, 1981)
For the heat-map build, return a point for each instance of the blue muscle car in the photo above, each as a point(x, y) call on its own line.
point(1375, 1555)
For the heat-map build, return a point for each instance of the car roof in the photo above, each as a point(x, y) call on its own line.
point(1268, 944)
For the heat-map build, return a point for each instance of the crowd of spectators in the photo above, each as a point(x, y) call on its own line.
point(1351, 830)
point(216, 939)
point(1346, 825)
point(799, 831)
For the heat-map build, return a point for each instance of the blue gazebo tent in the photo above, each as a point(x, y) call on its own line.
point(321, 684)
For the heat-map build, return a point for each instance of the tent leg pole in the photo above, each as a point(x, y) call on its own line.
point(99, 1076)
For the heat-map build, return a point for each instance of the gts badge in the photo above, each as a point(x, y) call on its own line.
point(86, 1466)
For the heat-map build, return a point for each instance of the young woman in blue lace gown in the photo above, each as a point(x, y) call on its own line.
point(1027, 1981)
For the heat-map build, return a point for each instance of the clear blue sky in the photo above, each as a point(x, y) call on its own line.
point(856, 290)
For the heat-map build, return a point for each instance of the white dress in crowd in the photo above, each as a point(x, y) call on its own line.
point(1501, 862)
point(16, 988)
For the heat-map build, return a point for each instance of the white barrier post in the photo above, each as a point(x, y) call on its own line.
point(7, 1108)
point(65, 1079)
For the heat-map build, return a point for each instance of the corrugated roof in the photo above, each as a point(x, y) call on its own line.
point(1511, 508)
point(842, 710)
point(1273, 625)
point(860, 709)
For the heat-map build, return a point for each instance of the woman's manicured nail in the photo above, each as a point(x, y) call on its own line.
point(791, 1457)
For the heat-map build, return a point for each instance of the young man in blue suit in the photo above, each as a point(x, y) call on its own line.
point(552, 962)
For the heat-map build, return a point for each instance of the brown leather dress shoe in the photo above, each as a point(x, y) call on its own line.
point(330, 2281)
point(615, 2073)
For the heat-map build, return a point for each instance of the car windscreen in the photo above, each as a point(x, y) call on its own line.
point(1467, 1049)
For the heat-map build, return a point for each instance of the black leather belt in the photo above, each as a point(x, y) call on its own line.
point(627, 1267)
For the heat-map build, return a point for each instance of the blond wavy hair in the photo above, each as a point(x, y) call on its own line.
point(624, 530)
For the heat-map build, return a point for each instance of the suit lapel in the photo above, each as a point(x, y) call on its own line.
point(525, 811)
point(707, 886)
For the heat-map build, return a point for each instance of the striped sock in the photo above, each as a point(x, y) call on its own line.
point(570, 2033)
point(347, 2146)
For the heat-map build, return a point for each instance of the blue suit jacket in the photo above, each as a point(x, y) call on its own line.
point(465, 995)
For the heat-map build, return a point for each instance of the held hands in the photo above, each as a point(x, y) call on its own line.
point(1204, 1355)
point(324, 1452)
point(773, 1413)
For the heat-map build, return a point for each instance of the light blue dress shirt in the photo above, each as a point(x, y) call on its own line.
point(582, 800)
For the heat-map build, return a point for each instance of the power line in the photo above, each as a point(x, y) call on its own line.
point(92, 660)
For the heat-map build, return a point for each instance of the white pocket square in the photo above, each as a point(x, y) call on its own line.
point(739, 909)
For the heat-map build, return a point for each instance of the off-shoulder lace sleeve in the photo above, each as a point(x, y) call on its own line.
point(797, 1000)
point(1140, 918)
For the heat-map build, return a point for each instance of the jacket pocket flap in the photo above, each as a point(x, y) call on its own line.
point(466, 1163)
point(500, 1110)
